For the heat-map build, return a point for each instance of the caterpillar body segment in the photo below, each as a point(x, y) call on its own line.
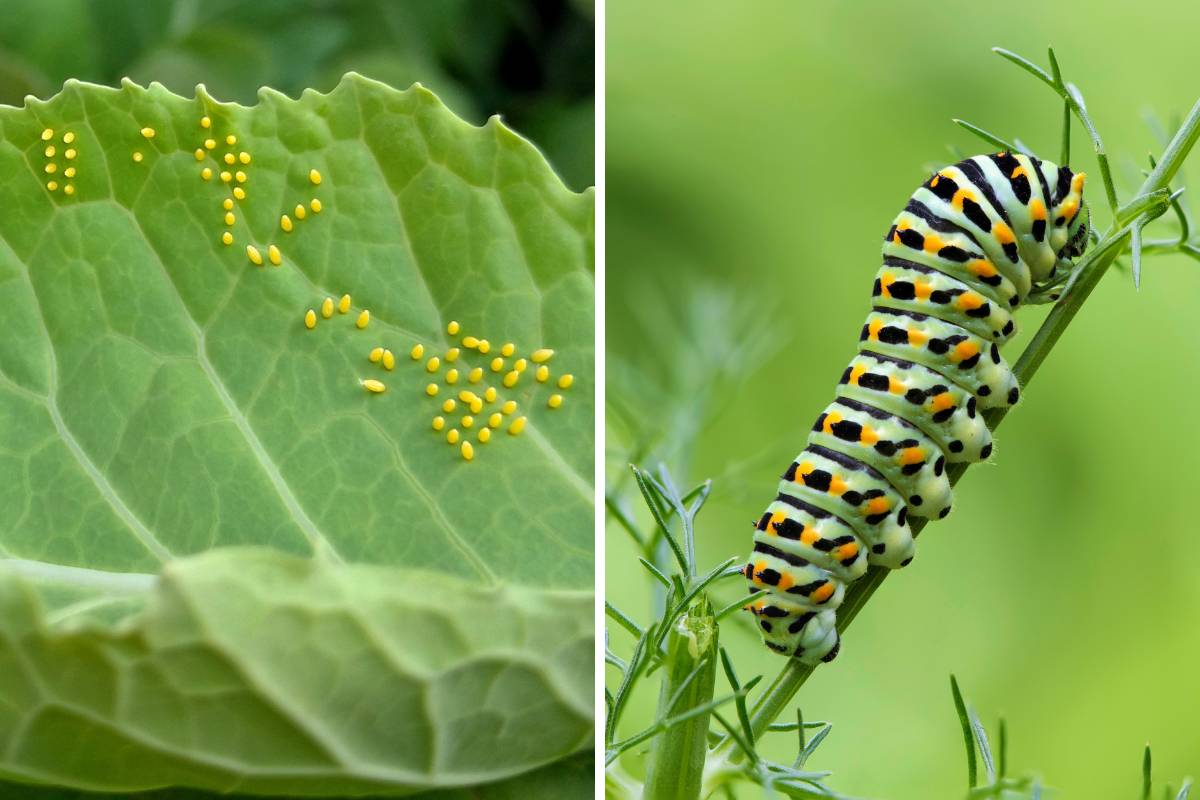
point(899, 450)
point(954, 252)
point(941, 408)
point(857, 495)
point(799, 584)
point(1021, 184)
point(974, 242)
point(907, 286)
point(813, 535)
point(982, 216)
point(971, 361)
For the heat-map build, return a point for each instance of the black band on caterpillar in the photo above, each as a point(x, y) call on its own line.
point(970, 245)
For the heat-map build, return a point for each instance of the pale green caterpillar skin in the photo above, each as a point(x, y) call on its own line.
point(975, 241)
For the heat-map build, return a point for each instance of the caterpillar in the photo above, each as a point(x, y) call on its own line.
point(975, 241)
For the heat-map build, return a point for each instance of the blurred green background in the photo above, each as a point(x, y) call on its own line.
point(531, 61)
point(756, 154)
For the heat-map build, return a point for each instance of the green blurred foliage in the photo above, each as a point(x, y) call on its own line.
point(530, 61)
point(756, 154)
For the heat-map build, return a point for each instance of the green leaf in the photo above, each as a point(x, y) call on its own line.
point(402, 687)
point(1146, 772)
point(987, 136)
point(812, 746)
point(964, 722)
point(163, 406)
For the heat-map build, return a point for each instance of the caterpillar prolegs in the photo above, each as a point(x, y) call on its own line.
point(975, 241)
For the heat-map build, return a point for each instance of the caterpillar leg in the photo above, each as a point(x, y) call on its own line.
point(810, 636)
point(795, 603)
point(1045, 296)
point(1053, 289)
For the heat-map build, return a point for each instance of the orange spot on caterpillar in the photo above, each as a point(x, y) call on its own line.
point(969, 301)
point(981, 268)
point(965, 350)
point(823, 592)
point(942, 401)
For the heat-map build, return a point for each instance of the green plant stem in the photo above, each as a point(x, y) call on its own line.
point(676, 764)
point(775, 698)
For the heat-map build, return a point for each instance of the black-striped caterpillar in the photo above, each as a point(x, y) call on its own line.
point(975, 241)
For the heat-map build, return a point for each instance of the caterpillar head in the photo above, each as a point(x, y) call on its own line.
point(1072, 222)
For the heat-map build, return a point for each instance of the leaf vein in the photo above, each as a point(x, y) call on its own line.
point(452, 533)
point(106, 489)
point(309, 528)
